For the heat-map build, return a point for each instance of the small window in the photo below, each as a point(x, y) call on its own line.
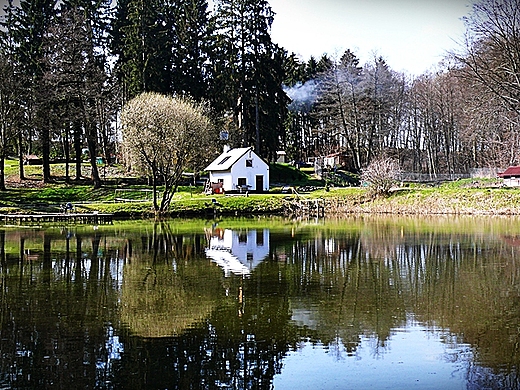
point(249, 163)
point(241, 181)
point(224, 160)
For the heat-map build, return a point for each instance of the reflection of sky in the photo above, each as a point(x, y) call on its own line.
point(116, 269)
point(429, 364)
point(114, 349)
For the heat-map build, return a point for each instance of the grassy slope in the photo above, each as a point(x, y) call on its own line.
point(462, 197)
point(449, 198)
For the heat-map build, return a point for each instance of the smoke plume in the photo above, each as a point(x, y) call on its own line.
point(302, 95)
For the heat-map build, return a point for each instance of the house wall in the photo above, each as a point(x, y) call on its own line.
point(240, 170)
point(512, 181)
point(225, 176)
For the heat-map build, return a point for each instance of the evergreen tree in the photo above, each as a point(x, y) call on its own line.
point(311, 68)
point(12, 112)
point(249, 72)
point(161, 46)
point(31, 22)
point(78, 69)
point(190, 48)
point(302, 80)
point(142, 41)
point(11, 103)
point(294, 70)
point(338, 109)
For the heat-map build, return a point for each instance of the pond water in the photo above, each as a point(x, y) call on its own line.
point(353, 303)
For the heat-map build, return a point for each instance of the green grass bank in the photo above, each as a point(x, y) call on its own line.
point(126, 198)
point(189, 201)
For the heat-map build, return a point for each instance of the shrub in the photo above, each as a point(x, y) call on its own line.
point(381, 175)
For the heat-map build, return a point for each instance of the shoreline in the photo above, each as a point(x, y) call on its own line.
point(336, 202)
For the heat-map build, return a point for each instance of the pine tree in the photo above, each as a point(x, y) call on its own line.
point(249, 72)
point(142, 40)
point(190, 48)
point(338, 109)
point(31, 22)
point(78, 68)
point(11, 92)
point(300, 83)
point(12, 102)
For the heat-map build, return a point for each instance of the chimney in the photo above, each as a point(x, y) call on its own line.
point(226, 148)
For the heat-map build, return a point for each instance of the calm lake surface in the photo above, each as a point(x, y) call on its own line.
point(355, 303)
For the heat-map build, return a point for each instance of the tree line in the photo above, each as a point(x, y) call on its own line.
point(68, 67)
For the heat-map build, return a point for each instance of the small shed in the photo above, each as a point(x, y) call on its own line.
point(334, 160)
point(511, 176)
point(239, 170)
point(32, 159)
point(281, 156)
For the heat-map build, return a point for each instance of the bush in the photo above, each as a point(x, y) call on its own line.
point(381, 175)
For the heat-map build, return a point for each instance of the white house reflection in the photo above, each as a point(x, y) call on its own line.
point(238, 251)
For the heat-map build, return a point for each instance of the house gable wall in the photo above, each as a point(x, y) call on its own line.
point(240, 170)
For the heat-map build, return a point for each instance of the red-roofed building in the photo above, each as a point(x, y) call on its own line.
point(511, 176)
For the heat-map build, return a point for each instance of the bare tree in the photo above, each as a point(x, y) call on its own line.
point(381, 175)
point(162, 136)
point(490, 67)
point(493, 48)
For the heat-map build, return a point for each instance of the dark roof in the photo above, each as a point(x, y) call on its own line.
point(511, 171)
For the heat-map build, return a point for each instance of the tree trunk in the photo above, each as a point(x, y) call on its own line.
point(91, 141)
point(154, 188)
point(2, 172)
point(46, 150)
point(77, 148)
point(21, 167)
point(67, 155)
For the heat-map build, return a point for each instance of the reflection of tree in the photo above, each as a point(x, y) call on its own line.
point(240, 345)
point(50, 329)
point(161, 295)
point(367, 280)
point(354, 293)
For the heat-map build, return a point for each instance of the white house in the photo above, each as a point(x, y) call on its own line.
point(239, 169)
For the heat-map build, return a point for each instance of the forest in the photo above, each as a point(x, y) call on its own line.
point(68, 67)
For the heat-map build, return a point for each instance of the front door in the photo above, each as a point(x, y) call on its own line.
point(259, 183)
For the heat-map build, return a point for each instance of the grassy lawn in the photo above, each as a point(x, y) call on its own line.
point(126, 197)
point(118, 196)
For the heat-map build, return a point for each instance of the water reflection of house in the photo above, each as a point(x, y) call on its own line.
point(238, 251)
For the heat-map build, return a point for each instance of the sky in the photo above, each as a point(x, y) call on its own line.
point(412, 36)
